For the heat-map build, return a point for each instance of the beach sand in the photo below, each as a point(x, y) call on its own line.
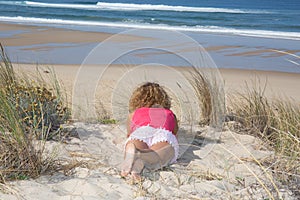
point(211, 166)
point(277, 83)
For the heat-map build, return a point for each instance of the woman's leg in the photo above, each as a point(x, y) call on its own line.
point(165, 151)
point(138, 155)
point(137, 168)
point(157, 156)
point(130, 155)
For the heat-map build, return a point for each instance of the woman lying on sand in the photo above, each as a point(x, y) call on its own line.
point(152, 129)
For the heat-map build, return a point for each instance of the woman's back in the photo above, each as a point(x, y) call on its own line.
point(154, 117)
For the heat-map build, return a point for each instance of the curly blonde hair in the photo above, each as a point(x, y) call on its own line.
point(148, 95)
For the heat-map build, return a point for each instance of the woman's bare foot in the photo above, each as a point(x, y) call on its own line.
point(136, 170)
point(129, 157)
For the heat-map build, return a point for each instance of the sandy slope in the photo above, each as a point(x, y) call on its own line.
point(211, 168)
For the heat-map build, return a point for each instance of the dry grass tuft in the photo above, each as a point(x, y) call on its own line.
point(210, 97)
point(202, 89)
point(103, 115)
point(275, 121)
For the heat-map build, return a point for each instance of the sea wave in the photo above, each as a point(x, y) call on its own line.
point(203, 29)
point(51, 5)
point(133, 7)
point(61, 5)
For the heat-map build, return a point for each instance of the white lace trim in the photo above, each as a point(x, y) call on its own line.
point(151, 136)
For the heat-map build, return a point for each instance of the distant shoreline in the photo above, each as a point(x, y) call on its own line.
point(60, 45)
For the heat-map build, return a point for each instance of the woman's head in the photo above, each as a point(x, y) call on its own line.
point(148, 95)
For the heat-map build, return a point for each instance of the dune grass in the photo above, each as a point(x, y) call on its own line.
point(18, 158)
point(277, 122)
point(202, 90)
point(210, 96)
point(31, 112)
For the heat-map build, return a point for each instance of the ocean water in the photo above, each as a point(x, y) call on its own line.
point(245, 26)
point(259, 18)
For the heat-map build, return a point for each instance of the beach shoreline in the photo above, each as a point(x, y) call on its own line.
point(64, 45)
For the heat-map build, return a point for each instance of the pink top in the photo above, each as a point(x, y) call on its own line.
point(155, 117)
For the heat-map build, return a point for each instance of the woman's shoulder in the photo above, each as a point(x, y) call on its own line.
point(149, 109)
point(141, 109)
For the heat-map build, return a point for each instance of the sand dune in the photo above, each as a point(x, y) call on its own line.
point(208, 169)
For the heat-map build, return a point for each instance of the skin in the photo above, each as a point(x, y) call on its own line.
point(139, 155)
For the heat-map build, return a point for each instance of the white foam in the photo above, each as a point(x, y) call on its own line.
point(132, 7)
point(207, 29)
point(58, 5)
point(12, 2)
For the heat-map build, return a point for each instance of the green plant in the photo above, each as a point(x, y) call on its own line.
point(31, 112)
point(108, 121)
point(39, 105)
point(18, 155)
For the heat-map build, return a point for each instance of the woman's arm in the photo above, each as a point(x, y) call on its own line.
point(176, 126)
point(129, 118)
